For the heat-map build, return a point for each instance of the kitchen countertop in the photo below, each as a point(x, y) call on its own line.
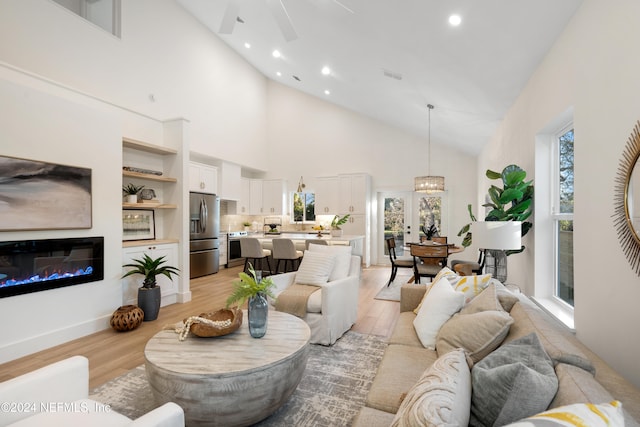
point(305, 236)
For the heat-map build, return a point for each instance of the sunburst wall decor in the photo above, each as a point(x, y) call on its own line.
point(629, 240)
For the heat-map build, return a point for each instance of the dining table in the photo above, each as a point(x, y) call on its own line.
point(451, 249)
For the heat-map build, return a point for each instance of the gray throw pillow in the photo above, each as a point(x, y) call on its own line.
point(515, 381)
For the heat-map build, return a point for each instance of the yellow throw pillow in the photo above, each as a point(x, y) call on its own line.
point(471, 286)
point(577, 415)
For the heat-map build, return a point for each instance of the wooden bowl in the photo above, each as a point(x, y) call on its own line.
point(205, 331)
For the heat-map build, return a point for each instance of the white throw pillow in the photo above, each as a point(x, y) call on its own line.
point(343, 259)
point(438, 305)
point(315, 268)
point(442, 396)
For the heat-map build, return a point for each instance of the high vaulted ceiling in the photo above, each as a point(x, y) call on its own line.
point(390, 58)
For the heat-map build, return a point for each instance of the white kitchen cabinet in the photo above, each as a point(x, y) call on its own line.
point(327, 195)
point(273, 197)
point(222, 239)
point(131, 284)
point(243, 205)
point(255, 197)
point(230, 183)
point(354, 193)
point(203, 178)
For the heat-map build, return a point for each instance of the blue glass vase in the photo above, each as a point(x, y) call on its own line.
point(258, 311)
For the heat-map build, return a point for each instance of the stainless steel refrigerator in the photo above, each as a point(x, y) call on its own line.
point(204, 227)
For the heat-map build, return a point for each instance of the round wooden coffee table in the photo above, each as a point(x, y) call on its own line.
point(233, 380)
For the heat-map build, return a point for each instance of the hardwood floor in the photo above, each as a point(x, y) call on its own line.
point(112, 353)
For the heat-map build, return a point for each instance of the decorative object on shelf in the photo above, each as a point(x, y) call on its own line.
point(215, 324)
point(513, 202)
point(126, 318)
point(57, 196)
point(131, 192)
point(496, 237)
point(254, 288)
point(337, 221)
point(141, 170)
point(626, 199)
point(150, 293)
point(147, 194)
point(429, 183)
point(138, 224)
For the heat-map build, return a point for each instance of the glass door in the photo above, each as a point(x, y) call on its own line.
point(403, 215)
point(396, 221)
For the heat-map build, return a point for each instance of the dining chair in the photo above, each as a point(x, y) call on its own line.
point(428, 260)
point(251, 249)
point(476, 267)
point(395, 261)
point(285, 250)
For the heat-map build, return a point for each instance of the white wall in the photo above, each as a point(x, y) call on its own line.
point(166, 53)
point(311, 138)
point(592, 68)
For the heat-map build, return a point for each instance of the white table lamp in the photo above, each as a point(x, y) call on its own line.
point(496, 237)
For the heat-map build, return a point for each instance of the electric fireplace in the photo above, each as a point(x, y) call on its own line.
point(37, 265)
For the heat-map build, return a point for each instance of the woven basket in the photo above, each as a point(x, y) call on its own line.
point(202, 330)
point(126, 318)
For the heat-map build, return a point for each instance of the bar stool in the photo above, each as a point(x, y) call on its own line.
point(251, 249)
point(308, 242)
point(285, 250)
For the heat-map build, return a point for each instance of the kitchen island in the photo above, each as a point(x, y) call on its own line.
point(299, 239)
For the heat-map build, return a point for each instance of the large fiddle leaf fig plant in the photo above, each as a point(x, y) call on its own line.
point(512, 202)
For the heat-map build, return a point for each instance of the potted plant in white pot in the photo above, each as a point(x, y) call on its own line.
point(131, 192)
point(149, 293)
point(336, 231)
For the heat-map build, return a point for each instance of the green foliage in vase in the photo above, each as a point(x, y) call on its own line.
point(512, 202)
point(248, 286)
point(150, 268)
point(429, 232)
point(337, 222)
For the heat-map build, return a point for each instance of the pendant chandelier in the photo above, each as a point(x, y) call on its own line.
point(429, 183)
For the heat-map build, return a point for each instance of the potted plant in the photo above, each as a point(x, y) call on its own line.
point(510, 203)
point(255, 289)
point(429, 232)
point(336, 231)
point(246, 225)
point(149, 293)
point(131, 192)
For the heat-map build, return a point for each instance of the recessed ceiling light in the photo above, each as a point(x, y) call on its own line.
point(278, 73)
point(247, 45)
point(327, 92)
point(455, 20)
point(276, 53)
point(326, 70)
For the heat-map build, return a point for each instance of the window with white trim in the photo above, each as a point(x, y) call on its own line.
point(103, 13)
point(562, 214)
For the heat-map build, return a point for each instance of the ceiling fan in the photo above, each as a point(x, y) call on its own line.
point(278, 11)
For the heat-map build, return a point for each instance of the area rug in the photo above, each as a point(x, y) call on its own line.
point(332, 390)
point(392, 292)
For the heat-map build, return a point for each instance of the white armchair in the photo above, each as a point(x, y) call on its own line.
point(58, 395)
point(331, 310)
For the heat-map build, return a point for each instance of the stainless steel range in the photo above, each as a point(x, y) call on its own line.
point(233, 248)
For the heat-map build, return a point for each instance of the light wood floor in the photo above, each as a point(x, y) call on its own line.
point(112, 353)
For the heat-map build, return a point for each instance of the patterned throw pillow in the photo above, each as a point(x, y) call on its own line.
point(442, 396)
point(579, 414)
point(315, 268)
point(471, 286)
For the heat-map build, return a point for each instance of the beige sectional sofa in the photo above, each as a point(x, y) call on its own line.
point(406, 359)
